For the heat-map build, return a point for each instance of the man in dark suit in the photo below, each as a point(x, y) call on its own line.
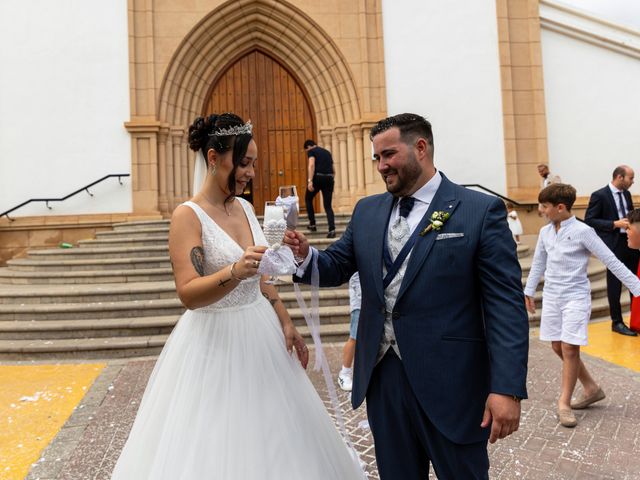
point(443, 338)
point(606, 213)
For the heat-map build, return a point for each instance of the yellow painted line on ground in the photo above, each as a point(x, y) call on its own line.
point(613, 347)
point(35, 402)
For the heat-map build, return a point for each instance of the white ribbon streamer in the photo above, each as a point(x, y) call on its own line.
point(312, 317)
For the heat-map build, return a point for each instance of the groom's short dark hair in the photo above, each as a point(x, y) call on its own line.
point(411, 127)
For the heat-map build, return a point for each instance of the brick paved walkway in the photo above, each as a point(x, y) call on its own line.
point(605, 445)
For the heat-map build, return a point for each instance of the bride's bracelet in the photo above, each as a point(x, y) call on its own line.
point(233, 274)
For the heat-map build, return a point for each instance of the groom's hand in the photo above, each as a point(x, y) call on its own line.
point(502, 412)
point(297, 242)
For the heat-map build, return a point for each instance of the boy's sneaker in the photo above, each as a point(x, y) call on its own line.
point(345, 381)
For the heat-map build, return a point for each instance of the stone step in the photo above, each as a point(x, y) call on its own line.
point(127, 242)
point(142, 224)
point(332, 313)
point(156, 240)
point(121, 347)
point(156, 233)
point(12, 277)
point(321, 220)
point(98, 253)
point(20, 297)
point(87, 328)
point(134, 233)
point(36, 264)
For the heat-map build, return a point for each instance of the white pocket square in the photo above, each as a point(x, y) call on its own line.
point(445, 236)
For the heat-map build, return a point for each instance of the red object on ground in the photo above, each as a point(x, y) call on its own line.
point(634, 322)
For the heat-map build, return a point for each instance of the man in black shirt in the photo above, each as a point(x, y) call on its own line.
point(320, 178)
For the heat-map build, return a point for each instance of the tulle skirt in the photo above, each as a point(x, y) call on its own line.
point(227, 401)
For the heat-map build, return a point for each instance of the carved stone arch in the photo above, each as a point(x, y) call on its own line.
point(297, 41)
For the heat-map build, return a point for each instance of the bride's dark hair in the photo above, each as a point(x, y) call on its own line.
point(201, 138)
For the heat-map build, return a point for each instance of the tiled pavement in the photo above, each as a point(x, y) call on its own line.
point(605, 445)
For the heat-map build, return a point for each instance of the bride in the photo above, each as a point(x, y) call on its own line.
point(227, 398)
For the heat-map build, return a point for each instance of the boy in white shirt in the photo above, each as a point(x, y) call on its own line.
point(562, 254)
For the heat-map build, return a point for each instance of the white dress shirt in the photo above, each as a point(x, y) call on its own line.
point(616, 199)
point(562, 256)
point(423, 198)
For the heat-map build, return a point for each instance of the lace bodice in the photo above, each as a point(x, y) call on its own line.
point(220, 250)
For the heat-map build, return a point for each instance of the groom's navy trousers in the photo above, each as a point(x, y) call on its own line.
point(399, 425)
point(460, 324)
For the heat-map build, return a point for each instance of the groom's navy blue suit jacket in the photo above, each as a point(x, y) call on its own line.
point(459, 318)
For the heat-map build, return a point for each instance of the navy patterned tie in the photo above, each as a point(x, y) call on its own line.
point(406, 204)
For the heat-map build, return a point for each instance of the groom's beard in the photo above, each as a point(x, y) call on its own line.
point(405, 177)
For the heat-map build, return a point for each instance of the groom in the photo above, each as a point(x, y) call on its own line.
point(442, 346)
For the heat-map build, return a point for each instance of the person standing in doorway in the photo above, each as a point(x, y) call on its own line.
point(607, 214)
point(320, 173)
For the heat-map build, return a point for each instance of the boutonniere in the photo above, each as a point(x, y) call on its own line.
point(437, 220)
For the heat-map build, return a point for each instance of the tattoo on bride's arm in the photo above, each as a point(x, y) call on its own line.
point(272, 301)
point(197, 260)
point(223, 283)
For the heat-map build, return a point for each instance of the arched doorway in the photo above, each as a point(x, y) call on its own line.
point(258, 87)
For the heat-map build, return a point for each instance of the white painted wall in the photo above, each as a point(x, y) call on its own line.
point(64, 80)
point(623, 12)
point(593, 111)
point(442, 61)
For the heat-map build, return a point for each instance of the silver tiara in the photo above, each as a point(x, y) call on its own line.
point(245, 129)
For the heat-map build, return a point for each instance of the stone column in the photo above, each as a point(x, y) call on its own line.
point(523, 108)
point(367, 156)
point(184, 174)
point(177, 134)
point(356, 132)
point(351, 152)
point(169, 185)
point(144, 165)
point(343, 194)
point(143, 126)
point(335, 152)
point(191, 160)
point(163, 202)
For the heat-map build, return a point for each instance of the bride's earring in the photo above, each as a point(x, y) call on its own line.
point(213, 170)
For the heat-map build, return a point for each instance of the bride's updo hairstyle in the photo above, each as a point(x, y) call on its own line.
point(212, 133)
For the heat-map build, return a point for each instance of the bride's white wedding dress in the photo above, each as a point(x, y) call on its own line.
point(226, 401)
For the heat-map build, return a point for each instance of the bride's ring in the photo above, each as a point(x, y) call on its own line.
point(256, 263)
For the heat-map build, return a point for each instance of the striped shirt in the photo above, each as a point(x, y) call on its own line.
point(562, 256)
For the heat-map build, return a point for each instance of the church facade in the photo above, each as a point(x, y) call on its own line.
point(498, 79)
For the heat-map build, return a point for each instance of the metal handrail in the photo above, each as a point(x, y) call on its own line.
point(528, 206)
point(47, 200)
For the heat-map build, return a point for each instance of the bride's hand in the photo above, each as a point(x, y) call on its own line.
point(294, 339)
point(248, 264)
